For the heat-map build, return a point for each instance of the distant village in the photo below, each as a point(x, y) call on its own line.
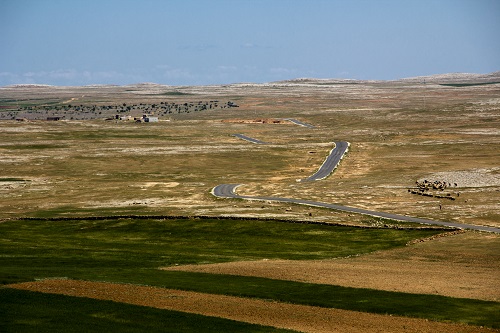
point(142, 112)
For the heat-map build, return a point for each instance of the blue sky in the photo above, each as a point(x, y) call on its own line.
point(197, 42)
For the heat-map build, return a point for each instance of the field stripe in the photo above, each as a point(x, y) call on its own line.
point(281, 315)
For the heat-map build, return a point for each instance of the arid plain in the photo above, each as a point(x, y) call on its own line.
point(447, 130)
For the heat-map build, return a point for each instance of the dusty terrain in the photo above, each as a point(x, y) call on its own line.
point(400, 133)
point(297, 317)
point(256, 121)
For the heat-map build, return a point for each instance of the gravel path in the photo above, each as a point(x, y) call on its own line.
point(297, 317)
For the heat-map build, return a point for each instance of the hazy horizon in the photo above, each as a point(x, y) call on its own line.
point(256, 83)
point(194, 42)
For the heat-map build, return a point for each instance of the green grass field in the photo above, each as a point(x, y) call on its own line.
point(87, 249)
point(131, 251)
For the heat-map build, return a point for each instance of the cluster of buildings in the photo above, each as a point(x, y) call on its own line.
point(146, 118)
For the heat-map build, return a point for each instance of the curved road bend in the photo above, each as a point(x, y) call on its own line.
point(300, 123)
point(249, 139)
point(228, 191)
point(331, 162)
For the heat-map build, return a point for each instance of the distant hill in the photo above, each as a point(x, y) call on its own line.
point(29, 85)
point(448, 78)
point(456, 78)
point(320, 81)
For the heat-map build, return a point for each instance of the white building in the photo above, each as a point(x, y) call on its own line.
point(150, 119)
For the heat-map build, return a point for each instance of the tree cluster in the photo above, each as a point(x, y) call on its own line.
point(88, 112)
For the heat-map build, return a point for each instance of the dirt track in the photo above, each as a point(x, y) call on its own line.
point(281, 315)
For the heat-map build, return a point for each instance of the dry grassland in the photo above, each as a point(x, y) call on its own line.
point(399, 133)
point(98, 167)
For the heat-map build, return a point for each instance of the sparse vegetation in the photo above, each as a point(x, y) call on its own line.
point(400, 133)
point(12, 179)
point(48, 111)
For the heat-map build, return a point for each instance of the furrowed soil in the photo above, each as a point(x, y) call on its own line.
point(297, 317)
point(443, 266)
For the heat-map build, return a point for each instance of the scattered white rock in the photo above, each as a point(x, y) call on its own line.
point(467, 178)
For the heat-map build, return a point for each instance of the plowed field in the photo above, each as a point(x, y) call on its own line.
point(282, 315)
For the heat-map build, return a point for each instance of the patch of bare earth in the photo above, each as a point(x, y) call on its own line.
point(443, 266)
point(256, 121)
point(281, 315)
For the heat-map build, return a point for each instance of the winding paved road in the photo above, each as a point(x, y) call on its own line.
point(228, 191)
point(300, 123)
point(331, 162)
point(249, 139)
